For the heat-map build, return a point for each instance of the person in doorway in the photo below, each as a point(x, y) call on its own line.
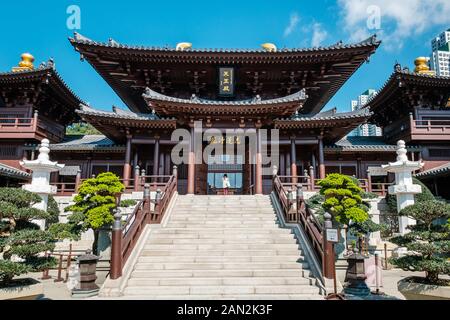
point(226, 184)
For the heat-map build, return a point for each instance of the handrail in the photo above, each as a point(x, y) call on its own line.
point(126, 235)
point(297, 211)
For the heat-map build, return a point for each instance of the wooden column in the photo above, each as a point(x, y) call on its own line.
point(258, 177)
point(322, 173)
point(127, 165)
point(293, 161)
point(156, 157)
point(191, 165)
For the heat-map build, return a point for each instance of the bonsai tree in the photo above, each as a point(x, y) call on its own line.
point(343, 199)
point(428, 242)
point(92, 209)
point(21, 241)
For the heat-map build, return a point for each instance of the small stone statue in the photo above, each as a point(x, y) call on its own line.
point(74, 277)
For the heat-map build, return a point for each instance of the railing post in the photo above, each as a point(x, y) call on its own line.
point(300, 198)
point(369, 181)
point(143, 173)
point(35, 120)
point(78, 180)
point(136, 178)
point(274, 176)
point(328, 263)
point(312, 177)
point(116, 246)
point(175, 175)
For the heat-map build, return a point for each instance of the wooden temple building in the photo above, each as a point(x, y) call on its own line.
point(173, 88)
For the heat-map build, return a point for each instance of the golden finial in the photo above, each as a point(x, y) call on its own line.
point(184, 46)
point(269, 47)
point(422, 66)
point(26, 64)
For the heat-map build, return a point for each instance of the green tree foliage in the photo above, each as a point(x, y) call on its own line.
point(20, 237)
point(343, 199)
point(81, 129)
point(428, 242)
point(93, 207)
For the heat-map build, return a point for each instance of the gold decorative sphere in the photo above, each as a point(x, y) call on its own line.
point(26, 63)
point(269, 47)
point(421, 65)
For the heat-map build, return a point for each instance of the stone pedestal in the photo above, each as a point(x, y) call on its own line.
point(404, 188)
point(40, 182)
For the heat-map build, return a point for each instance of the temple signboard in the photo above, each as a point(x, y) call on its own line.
point(226, 85)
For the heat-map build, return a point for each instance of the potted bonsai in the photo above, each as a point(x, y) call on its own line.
point(22, 244)
point(92, 210)
point(428, 246)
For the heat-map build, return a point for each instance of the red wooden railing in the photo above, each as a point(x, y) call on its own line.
point(432, 127)
point(36, 125)
point(296, 211)
point(125, 236)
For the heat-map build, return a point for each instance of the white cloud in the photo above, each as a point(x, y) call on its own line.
point(400, 19)
point(293, 22)
point(319, 35)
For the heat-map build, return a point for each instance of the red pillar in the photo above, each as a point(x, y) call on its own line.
point(127, 165)
point(156, 157)
point(322, 173)
point(191, 165)
point(258, 177)
point(294, 162)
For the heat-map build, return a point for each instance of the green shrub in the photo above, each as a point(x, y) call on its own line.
point(20, 237)
point(93, 207)
point(128, 203)
point(429, 243)
point(343, 199)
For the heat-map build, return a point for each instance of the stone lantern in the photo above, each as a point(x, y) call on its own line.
point(41, 171)
point(404, 188)
point(87, 270)
point(356, 276)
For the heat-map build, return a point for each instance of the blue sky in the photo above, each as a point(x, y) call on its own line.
point(39, 27)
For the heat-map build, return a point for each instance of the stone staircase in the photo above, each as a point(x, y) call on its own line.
point(216, 247)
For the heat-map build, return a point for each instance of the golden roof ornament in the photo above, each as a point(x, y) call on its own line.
point(422, 66)
point(182, 46)
point(26, 64)
point(269, 47)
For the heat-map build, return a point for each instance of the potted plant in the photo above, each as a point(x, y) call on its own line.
point(22, 244)
point(92, 209)
point(428, 246)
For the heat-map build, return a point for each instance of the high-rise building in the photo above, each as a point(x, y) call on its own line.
point(440, 56)
point(365, 130)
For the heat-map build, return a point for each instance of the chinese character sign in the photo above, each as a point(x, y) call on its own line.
point(226, 77)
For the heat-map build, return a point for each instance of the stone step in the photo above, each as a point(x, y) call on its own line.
point(208, 252)
point(222, 247)
point(220, 259)
point(230, 240)
point(219, 281)
point(264, 273)
point(220, 290)
point(206, 236)
point(208, 231)
point(217, 266)
point(212, 219)
point(228, 225)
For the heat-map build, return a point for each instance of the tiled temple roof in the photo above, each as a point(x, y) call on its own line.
point(364, 144)
point(43, 73)
point(442, 170)
point(128, 69)
point(10, 172)
point(118, 114)
point(80, 39)
point(296, 97)
point(326, 116)
point(84, 143)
